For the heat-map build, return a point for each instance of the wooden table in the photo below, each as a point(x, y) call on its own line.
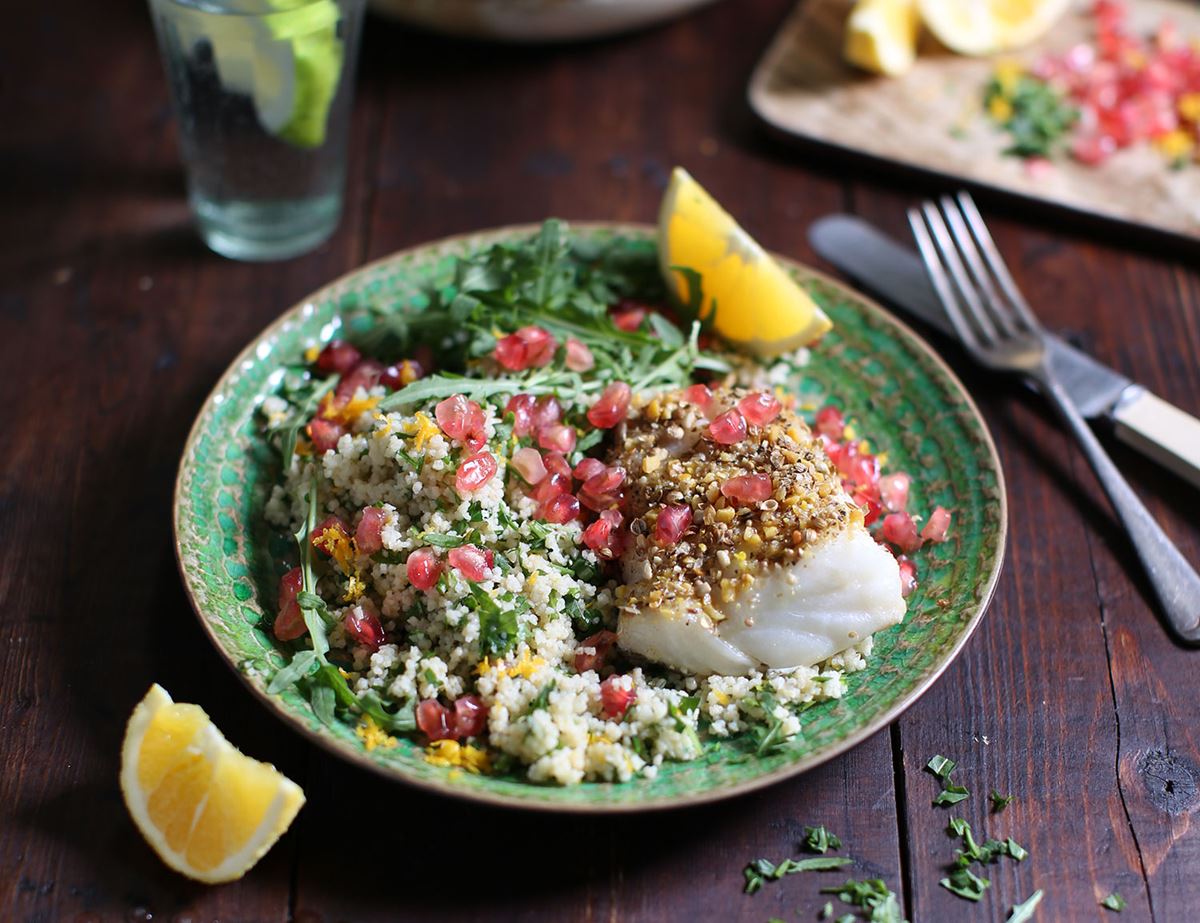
point(116, 322)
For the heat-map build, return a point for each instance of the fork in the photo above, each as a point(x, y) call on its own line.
point(1001, 332)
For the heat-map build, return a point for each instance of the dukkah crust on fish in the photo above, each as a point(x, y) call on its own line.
point(786, 581)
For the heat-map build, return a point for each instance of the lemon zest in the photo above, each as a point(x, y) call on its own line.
point(310, 354)
point(339, 546)
point(354, 588)
point(721, 697)
point(450, 754)
point(421, 428)
point(408, 372)
point(526, 666)
point(372, 735)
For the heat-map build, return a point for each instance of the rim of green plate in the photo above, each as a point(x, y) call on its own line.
point(801, 765)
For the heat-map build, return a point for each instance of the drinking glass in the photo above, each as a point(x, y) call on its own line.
point(262, 92)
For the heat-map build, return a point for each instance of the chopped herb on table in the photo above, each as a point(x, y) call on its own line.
point(869, 894)
point(820, 840)
point(951, 793)
point(1000, 802)
point(1024, 911)
point(1114, 902)
point(965, 883)
point(762, 870)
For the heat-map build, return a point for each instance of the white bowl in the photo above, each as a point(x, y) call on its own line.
point(533, 20)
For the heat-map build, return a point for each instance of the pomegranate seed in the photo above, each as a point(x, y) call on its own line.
point(474, 472)
point(611, 407)
point(556, 463)
point(861, 468)
point(289, 623)
point(558, 438)
point(749, 488)
point(601, 643)
point(673, 522)
point(615, 699)
point(433, 718)
point(338, 357)
point(365, 375)
point(473, 563)
point(423, 569)
point(521, 406)
point(628, 315)
point(540, 345)
point(470, 716)
point(759, 408)
point(868, 501)
point(552, 486)
point(893, 489)
point(602, 535)
point(364, 627)
point(589, 467)
point(601, 490)
point(528, 463)
point(908, 576)
point(728, 429)
point(319, 538)
point(901, 531)
point(560, 509)
point(460, 418)
point(700, 395)
point(401, 374)
point(325, 434)
point(579, 357)
point(546, 411)
point(935, 528)
point(511, 353)
point(830, 422)
point(369, 534)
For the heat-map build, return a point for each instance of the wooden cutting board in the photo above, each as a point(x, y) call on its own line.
point(932, 118)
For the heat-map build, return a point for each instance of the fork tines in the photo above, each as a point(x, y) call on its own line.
point(974, 285)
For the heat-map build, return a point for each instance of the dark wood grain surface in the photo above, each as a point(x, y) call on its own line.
point(116, 321)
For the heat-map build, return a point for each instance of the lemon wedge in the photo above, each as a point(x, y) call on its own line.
point(881, 36)
point(748, 298)
point(208, 810)
point(980, 27)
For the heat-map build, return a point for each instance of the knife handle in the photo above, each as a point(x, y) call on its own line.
point(1160, 430)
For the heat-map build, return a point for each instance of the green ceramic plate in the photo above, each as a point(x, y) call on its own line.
point(902, 396)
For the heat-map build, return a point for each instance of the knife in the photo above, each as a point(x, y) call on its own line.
point(1155, 428)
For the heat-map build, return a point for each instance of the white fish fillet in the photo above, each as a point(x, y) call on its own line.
point(785, 582)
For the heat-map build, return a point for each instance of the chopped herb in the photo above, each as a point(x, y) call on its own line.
point(1033, 113)
point(543, 697)
point(870, 894)
point(430, 677)
point(818, 839)
point(768, 737)
point(442, 541)
point(827, 910)
point(389, 557)
point(761, 870)
point(1000, 802)
point(951, 794)
point(499, 629)
point(847, 918)
point(1022, 912)
point(684, 727)
point(940, 766)
point(1015, 850)
point(966, 884)
point(1114, 902)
